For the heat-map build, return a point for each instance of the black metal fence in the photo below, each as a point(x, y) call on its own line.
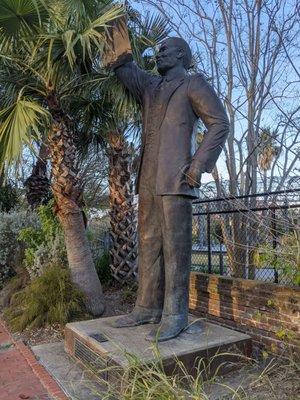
point(250, 237)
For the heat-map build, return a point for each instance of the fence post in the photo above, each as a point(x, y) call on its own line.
point(274, 232)
point(221, 262)
point(208, 243)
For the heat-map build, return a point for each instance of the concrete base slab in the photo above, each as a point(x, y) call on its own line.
point(98, 345)
point(76, 382)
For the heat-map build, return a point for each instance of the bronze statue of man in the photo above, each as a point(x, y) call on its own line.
point(168, 175)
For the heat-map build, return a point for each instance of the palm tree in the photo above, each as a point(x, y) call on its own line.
point(103, 128)
point(47, 51)
point(123, 219)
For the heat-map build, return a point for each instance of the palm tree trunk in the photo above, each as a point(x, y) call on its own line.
point(123, 227)
point(38, 185)
point(68, 196)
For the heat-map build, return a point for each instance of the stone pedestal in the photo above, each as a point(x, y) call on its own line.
point(98, 345)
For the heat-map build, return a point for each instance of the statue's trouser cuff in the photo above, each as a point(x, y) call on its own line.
point(165, 242)
point(156, 312)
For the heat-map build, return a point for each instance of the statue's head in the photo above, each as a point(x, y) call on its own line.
point(172, 52)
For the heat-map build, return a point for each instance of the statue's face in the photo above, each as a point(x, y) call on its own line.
point(169, 55)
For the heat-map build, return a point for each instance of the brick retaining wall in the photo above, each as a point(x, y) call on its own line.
point(270, 313)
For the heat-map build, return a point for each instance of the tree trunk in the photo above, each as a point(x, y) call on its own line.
point(123, 227)
point(68, 196)
point(236, 244)
point(38, 185)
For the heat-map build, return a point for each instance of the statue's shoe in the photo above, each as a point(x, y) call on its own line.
point(138, 316)
point(170, 327)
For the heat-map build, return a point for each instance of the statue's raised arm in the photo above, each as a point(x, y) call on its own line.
point(118, 57)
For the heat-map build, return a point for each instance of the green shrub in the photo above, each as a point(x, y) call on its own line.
point(285, 258)
point(44, 244)
point(11, 250)
point(47, 229)
point(50, 298)
point(103, 268)
point(8, 198)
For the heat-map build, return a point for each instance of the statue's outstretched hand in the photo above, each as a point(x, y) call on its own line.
point(117, 48)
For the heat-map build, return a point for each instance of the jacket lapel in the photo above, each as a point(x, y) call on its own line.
point(166, 95)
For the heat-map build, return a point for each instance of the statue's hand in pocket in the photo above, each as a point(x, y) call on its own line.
point(193, 177)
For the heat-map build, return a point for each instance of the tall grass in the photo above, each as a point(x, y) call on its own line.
point(269, 379)
point(151, 381)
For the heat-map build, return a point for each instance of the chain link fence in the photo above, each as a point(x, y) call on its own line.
point(250, 237)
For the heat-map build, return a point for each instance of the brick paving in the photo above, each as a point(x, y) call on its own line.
point(21, 376)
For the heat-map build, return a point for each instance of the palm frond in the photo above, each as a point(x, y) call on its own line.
point(93, 35)
point(85, 84)
point(82, 9)
point(23, 63)
point(76, 43)
point(153, 30)
point(20, 124)
point(19, 19)
point(13, 79)
point(76, 13)
point(149, 32)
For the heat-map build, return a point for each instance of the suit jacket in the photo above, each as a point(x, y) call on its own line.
point(185, 99)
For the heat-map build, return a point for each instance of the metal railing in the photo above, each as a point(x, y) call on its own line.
point(252, 237)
